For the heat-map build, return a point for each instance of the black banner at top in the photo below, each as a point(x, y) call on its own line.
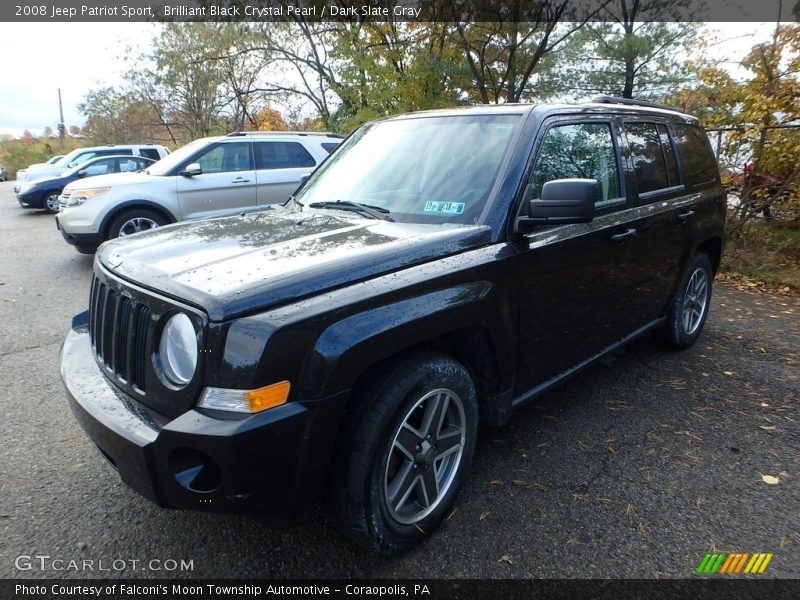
point(393, 10)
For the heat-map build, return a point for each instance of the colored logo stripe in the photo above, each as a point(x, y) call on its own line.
point(731, 563)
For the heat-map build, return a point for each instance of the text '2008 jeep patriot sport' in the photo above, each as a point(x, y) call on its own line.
point(437, 271)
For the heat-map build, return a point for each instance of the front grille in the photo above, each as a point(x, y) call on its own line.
point(62, 199)
point(118, 329)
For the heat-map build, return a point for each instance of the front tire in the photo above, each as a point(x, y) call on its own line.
point(407, 447)
point(689, 310)
point(134, 221)
point(50, 202)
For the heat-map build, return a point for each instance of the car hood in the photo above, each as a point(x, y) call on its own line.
point(112, 179)
point(232, 266)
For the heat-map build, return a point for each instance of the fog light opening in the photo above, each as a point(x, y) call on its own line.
point(194, 471)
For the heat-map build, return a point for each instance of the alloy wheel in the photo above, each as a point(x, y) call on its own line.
point(695, 300)
point(424, 456)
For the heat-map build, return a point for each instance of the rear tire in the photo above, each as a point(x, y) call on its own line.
point(689, 310)
point(134, 221)
point(405, 451)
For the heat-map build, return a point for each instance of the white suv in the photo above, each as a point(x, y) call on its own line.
point(208, 177)
point(80, 155)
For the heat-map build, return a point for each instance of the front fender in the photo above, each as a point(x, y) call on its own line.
point(348, 347)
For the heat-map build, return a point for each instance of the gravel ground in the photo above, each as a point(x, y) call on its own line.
point(634, 469)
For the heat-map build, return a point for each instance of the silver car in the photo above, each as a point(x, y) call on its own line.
point(208, 177)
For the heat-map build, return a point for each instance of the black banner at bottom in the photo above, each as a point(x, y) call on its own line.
point(433, 589)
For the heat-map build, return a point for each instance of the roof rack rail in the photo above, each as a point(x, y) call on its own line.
point(631, 102)
point(303, 133)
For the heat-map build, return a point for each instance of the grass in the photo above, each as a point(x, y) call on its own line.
point(765, 253)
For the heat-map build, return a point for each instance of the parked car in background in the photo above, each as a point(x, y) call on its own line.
point(44, 192)
point(81, 155)
point(51, 161)
point(208, 177)
point(3, 173)
point(440, 271)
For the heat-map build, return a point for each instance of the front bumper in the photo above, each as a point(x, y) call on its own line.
point(30, 199)
point(270, 461)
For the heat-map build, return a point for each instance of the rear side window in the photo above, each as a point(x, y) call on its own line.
point(697, 158)
point(150, 153)
point(653, 156)
point(282, 155)
point(578, 150)
point(329, 146)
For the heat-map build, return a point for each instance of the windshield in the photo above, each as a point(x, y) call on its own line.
point(169, 162)
point(65, 160)
point(421, 170)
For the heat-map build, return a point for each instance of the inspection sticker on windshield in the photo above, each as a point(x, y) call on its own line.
point(444, 208)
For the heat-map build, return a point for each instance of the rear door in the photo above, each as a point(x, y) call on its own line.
point(227, 183)
point(575, 280)
point(280, 166)
point(662, 213)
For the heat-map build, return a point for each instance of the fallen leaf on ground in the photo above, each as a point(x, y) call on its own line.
point(770, 479)
point(506, 558)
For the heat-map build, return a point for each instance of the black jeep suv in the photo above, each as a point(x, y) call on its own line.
point(437, 271)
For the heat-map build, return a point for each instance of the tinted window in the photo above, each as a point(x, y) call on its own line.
point(697, 158)
point(149, 153)
point(579, 150)
point(669, 155)
point(226, 157)
point(329, 146)
point(644, 142)
point(282, 155)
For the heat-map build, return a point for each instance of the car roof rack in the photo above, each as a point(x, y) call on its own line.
point(631, 102)
point(303, 133)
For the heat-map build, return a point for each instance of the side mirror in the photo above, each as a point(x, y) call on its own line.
point(192, 169)
point(562, 201)
point(72, 164)
point(82, 173)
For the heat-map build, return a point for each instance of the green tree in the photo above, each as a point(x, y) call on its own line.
point(635, 52)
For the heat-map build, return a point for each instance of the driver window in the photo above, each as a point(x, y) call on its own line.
point(579, 150)
point(101, 167)
point(226, 157)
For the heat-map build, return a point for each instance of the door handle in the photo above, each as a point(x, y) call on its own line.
point(621, 237)
point(240, 180)
point(685, 216)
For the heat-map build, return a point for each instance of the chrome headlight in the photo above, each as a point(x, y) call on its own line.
point(26, 187)
point(178, 349)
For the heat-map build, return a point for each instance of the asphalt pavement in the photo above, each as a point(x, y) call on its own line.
point(634, 469)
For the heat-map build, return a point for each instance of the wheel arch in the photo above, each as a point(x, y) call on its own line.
point(712, 248)
point(131, 204)
point(467, 323)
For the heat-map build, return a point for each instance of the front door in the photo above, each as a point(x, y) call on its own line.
point(227, 183)
point(575, 280)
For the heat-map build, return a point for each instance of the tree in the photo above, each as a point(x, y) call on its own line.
point(757, 119)
point(635, 52)
point(503, 55)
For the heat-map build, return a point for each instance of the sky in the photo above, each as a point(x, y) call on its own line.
point(40, 58)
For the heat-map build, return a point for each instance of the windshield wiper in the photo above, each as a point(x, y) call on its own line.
point(376, 212)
